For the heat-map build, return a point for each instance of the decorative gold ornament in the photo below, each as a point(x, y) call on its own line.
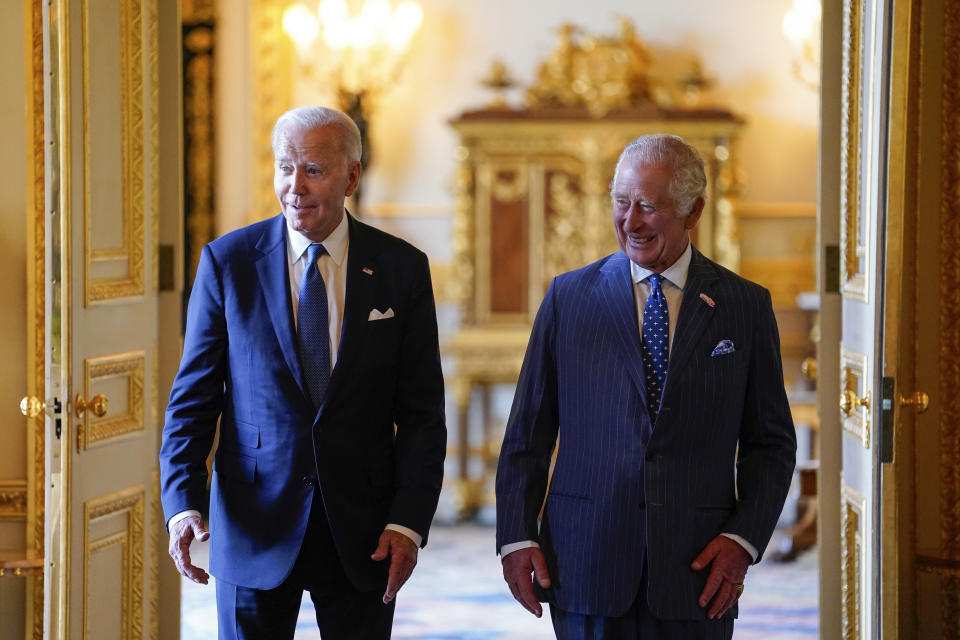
point(499, 81)
point(599, 73)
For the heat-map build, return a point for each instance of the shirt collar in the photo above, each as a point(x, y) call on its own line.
point(675, 273)
point(335, 243)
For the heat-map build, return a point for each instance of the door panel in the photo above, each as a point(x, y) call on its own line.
point(103, 319)
point(863, 136)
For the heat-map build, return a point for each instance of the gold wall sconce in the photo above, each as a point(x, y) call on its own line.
point(357, 51)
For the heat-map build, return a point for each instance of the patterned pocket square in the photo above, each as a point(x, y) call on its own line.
point(723, 347)
point(375, 314)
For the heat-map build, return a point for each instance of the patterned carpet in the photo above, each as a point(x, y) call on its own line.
point(458, 593)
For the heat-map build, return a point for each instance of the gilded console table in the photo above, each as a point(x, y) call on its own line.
point(532, 193)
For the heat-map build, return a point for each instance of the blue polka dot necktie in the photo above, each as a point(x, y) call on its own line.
point(313, 327)
point(656, 343)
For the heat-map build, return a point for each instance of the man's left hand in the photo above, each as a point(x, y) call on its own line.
point(403, 558)
point(729, 562)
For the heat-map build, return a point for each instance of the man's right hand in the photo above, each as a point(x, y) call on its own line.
point(517, 567)
point(182, 534)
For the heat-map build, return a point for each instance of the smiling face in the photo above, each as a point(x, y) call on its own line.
point(650, 229)
point(312, 177)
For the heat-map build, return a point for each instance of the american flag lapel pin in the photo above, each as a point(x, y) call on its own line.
point(368, 271)
point(708, 300)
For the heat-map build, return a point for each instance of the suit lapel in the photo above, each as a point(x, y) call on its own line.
point(360, 287)
point(275, 284)
point(695, 314)
point(615, 296)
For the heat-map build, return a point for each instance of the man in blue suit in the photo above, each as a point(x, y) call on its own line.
point(659, 373)
point(312, 338)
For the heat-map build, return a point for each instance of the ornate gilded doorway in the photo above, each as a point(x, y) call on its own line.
point(104, 191)
point(890, 385)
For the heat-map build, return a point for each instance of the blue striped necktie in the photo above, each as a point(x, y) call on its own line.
point(313, 327)
point(656, 343)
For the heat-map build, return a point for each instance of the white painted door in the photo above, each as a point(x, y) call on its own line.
point(103, 540)
point(863, 136)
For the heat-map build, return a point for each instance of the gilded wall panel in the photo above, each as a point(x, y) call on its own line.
point(121, 373)
point(113, 530)
point(113, 158)
point(13, 499)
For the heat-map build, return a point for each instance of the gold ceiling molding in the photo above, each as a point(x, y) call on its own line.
point(271, 55)
point(130, 285)
point(950, 313)
point(13, 499)
point(127, 504)
point(853, 218)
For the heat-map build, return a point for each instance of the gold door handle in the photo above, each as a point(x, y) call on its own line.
point(918, 400)
point(849, 402)
point(809, 368)
point(97, 405)
point(32, 406)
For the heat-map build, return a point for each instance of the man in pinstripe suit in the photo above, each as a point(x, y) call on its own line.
point(659, 372)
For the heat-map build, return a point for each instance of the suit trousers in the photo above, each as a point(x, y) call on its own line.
point(636, 624)
point(342, 612)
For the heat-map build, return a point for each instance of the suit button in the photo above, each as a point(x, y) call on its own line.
point(308, 481)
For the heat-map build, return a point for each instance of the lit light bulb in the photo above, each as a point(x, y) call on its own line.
point(332, 12)
point(375, 14)
point(403, 24)
point(302, 26)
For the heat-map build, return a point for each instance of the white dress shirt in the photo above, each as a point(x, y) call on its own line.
point(333, 268)
point(675, 279)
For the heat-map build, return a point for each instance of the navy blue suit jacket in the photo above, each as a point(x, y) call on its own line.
point(240, 365)
point(627, 495)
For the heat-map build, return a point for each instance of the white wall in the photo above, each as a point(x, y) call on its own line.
point(739, 41)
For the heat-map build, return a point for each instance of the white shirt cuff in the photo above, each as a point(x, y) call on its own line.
point(180, 516)
point(752, 550)
point(410, 533)
point(507, 549)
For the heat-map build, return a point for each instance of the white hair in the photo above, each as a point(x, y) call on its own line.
point(688, 182)
point(311, 117)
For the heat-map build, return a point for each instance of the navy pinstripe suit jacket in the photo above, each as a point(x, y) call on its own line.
point(625, 493)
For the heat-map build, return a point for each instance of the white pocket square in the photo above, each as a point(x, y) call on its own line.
point(375, 314)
